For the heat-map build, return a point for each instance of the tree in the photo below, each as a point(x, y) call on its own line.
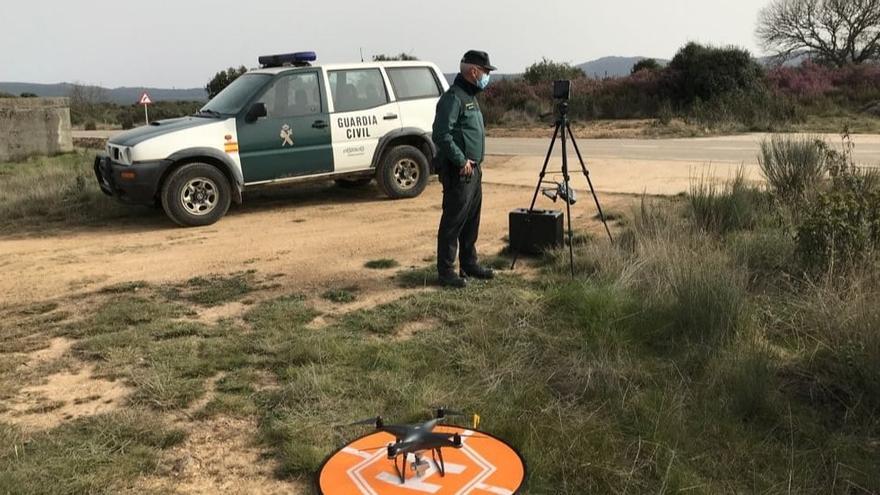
point(85, 103)
point(388, 58)
point(836, 32)
point(222, 79)
point(707, 72)
point(548, 70)
point(646, 64)
point(28, 95)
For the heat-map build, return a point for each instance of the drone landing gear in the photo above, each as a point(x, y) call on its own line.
point(441, 466)
point(419, 466)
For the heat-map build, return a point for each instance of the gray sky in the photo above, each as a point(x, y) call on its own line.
point(183, 43)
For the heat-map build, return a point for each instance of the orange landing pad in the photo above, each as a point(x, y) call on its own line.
point(485, 465)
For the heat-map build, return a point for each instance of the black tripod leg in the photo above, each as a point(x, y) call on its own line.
point(537, 189)
point(589, 181)
point(567, 180)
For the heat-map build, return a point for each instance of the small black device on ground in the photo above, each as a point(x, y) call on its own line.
point(561, 93)
point(536, 231)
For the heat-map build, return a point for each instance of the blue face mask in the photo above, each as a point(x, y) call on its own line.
point(483, 82)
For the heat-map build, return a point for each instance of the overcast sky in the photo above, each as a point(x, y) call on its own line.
point(183, 43)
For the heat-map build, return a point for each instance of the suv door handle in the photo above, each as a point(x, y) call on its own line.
point(319, 124)
point(391, 116)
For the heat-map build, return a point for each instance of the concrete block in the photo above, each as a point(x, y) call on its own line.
point(34, 126)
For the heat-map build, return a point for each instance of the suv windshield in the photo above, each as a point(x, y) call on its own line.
point(231, 100)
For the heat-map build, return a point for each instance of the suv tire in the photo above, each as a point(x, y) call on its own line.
point(403, 172)
point(196, 194)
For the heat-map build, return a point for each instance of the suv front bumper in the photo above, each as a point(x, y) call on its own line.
point(132, 184)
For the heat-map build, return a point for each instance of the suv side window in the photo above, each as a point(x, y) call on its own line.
point(412, 83)
point(293, 95)
point(357, 89)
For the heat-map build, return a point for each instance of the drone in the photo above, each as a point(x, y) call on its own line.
point(417, 439)
point(560, 191)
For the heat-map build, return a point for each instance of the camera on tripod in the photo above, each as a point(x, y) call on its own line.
point(521, 227)
point(562, 90)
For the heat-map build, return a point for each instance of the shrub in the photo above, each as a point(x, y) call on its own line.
point(793, 166)
point(90, 125)
point(706, 72)
point(548, 70)
point(645, 64)
point(842, 228)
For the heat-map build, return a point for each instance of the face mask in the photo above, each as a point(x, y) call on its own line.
point(483, 81)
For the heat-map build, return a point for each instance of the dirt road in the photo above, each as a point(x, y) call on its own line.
point(322, 235)
point(316, 235)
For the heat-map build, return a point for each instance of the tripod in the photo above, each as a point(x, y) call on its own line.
point(563, 130)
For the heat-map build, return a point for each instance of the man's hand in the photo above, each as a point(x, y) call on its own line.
point(468, 169)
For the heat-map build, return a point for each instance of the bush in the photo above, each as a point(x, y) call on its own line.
point(548, 70)
point(645, 64)
point(841, 229)
point(706, 73)
point(793, 166)
point(90, 125)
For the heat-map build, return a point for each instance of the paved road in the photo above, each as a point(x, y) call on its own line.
point(740, 149)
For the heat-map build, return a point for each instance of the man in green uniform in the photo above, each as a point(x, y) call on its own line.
point(461, 139)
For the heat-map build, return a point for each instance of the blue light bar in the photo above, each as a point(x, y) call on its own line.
point(298, 59)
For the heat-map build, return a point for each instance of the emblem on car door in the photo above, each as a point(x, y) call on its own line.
point(286, 135)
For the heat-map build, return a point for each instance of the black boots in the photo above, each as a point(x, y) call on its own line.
point(478, 271)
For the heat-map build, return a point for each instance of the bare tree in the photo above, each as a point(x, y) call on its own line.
point(837, 32)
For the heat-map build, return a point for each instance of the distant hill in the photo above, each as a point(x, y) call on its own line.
point(613, 66)
point(122, 96)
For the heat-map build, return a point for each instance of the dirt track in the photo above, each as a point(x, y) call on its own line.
point(316, 235)
point(322, 235)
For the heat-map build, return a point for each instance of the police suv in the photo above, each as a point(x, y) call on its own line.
point(285, 122)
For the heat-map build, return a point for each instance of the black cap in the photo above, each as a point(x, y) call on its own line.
point(476, 57)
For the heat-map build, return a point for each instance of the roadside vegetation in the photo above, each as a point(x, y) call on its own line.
point(45, 192)
point(727, 342)
point(702, 90)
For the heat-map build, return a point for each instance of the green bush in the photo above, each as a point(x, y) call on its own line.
point(707, 73)
point(793, 166)
point(842, 228)
point(548, 70)
point(90, 125)
point(646, 64)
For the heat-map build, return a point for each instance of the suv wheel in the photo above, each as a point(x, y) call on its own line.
point(403, 172)
point(196, 194)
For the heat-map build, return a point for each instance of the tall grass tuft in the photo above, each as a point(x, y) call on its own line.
point(793, 166)
point(724, 208)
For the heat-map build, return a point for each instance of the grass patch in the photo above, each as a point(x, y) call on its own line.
point(44, 191)
point(382, 264)
point(415, 278)
point(341, 296)
point(102, 454)
point(217, 290)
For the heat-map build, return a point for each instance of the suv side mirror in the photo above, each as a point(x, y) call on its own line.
point(256, 111)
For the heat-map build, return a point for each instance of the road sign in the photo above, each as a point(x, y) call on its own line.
point(145, 99)
point(484, 465)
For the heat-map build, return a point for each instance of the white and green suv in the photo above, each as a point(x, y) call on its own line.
point(287, 121)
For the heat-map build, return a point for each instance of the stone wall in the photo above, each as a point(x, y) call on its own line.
point(34, 126)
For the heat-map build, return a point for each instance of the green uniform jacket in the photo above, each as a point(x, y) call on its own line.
point(458, 131)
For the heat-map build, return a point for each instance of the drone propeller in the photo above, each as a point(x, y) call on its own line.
point(376, 422)
point(442, 412)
